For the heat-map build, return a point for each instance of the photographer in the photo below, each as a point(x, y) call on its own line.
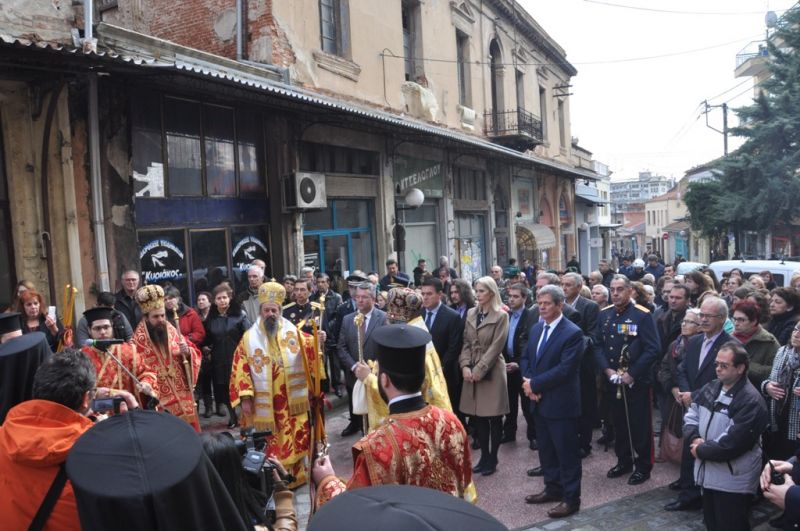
point(36, 437)
point(224, 454)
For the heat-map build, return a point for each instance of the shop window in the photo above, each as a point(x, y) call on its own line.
point(220, 158)
point(211, 150)
point(352, 213)
point(248, 243)
point(209, 259)
point(184, 163)
point(334, 159)
point(470, 184)
point(318, 219)
point(163, 260)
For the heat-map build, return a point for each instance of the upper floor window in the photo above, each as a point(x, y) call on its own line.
point(562, 125)
point(469, 184)
point(334, 159)
point(462, 64)
point(543, 111)
point(334, 21)
point(412, 40)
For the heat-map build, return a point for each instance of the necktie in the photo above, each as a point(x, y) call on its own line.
point(704, 350)
point(429, 319)
point(363, 329)
point(543, 342)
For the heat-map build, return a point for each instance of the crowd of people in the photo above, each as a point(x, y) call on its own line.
point(717, 360)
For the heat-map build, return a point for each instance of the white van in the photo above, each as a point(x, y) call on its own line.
point(781, 271)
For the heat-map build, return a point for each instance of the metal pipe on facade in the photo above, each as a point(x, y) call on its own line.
point(98, 214)
point(239, 30)
point(88, 19)
point(46, 236)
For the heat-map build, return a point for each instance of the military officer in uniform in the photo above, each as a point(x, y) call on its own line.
point(302, 310)
point(625, 355)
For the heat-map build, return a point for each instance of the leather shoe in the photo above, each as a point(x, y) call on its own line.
point(542, 497)
point(533, 445)
point(619, 470)
point(351, 429)
point(675, 485)
point(479, 467)
point(488, 470)
point(508, 437)
point(679, 505)
point(535, 472)
point(583, 453)
point(562, 510)
point(637, 478)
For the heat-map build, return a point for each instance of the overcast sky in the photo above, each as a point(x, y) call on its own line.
point(642, 114)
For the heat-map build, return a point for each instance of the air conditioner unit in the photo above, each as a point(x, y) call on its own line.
point(304, 190)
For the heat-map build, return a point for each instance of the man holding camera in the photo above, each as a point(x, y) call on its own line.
point(419, 444)
point(36, 437)
point(161, 347)
point(269, 378)
point(99, 322)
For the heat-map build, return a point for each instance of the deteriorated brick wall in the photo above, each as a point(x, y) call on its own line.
point(210, 26)
point(38, 21)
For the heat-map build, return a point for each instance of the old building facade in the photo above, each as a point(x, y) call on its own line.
point(180, 135)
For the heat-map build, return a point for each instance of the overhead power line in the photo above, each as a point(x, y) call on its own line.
point(675, 12)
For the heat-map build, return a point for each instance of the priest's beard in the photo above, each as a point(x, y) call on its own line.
point(158, 335)
point(271, 325)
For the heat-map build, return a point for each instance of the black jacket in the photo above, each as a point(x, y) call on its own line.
point(690, 376)
point(526, 322)
point(223, 333)
point(448, 334)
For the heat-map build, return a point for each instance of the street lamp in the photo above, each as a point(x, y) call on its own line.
point(413, 199)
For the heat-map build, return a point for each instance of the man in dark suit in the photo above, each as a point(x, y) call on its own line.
point(551, 379)
point(520, 321)
point(696, 370)
point(447, 330)
point(589, 310)
point(347, 346)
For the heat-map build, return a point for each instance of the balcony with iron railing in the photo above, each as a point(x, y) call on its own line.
point(517, 129)
point(751, 60)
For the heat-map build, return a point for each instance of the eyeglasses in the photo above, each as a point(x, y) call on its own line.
point(796, 329)
point(740, 319)
point(709, 315)
point(722, 365)
point(688, 322)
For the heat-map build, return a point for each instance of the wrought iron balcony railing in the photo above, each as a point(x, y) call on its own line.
point(518, 127)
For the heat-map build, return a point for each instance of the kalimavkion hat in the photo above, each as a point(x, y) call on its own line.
point(97, 314)
point(10, 322)
point(399, 508)
point(401, 348)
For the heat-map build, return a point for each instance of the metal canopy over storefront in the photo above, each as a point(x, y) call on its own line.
point(544, 236)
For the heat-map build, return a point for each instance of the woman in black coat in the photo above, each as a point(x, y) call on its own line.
point(225, 325)
point(784, 305)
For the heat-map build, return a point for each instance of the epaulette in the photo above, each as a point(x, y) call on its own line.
point(643, 308)
point(607, 307)
point(316, 306)
point(289, 305)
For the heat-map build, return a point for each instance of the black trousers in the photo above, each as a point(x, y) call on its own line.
point(726, 511)
point(489, 431)
point(690, 492)
point(525, 404)
point(334, 378)
point(205, 379)
point(452, 377)
point(639, 414)
point(588, 416)
point(514, 385)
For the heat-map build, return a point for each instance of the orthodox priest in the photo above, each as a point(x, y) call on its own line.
point(20, 356)
point(270, 380)
point(404, 306)
point(418, 444)
point(99, 322)
point(174, 362)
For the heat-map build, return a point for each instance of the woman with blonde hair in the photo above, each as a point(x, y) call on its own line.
point(484, 394)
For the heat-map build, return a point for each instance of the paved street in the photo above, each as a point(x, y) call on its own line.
point(606, 504)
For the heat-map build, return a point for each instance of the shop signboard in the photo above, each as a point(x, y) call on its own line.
point(427, 175)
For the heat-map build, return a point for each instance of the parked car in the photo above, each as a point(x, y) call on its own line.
point(781, 270)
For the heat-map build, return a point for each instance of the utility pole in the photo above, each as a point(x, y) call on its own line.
point(724, 130)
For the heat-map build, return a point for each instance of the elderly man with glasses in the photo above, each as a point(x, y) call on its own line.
point(696, 370)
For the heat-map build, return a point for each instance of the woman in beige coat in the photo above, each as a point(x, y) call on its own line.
point(484, 396)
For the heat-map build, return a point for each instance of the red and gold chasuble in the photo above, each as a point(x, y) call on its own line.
point(175, 394)
point(424, 448)
point(272, 372)
point(110, 375)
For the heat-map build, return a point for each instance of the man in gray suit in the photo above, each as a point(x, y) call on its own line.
point(347, 346)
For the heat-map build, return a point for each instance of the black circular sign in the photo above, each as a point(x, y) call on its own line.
point(308, 190)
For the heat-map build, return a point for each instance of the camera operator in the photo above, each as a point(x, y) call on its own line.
point(252, 504)
point(36, 437)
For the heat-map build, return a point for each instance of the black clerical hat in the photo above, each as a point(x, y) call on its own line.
point(401, 348)
point(147, 470)
point(97, 314)
point(354, 280)
point(400, 508)
point(10, 322)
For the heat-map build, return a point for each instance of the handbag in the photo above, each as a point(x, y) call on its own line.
point(672, 436)
point(359, 398)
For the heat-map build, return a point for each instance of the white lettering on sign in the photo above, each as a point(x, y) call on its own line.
point(420, 176)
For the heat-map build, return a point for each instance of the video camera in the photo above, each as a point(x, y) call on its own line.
point(252, 446)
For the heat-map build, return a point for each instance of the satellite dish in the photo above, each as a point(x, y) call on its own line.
point(771, 19)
